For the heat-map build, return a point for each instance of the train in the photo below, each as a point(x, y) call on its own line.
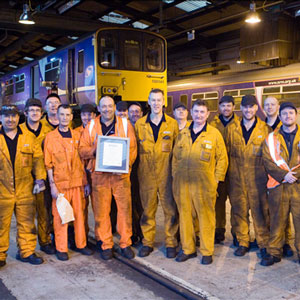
point(124, 63)
point(283, 83)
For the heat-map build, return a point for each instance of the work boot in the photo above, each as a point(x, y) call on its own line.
point(269, 260)
point(181, 257)
point(219, 237)
point(241, 251)
point(253, 244)
point(2, 263)
point(235, 241)
point(98, 245)
point(206, 260)
point(145, 251)
point(171, 252)
point(107, 254)
point(287, 251)
point(263, 252)
point(127, 252)
point(32, 259)
point(63, 256)
point(48, 249)
point(85, 251)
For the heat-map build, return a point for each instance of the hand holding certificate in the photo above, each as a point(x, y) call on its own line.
point(112, 154)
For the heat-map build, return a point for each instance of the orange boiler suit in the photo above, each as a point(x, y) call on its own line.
point(105, 184)
point(61, 155)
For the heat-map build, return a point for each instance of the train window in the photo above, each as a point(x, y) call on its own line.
point(108, 48)
point(80, 61)
point(212, 104)
point(184, 99)
point(52, 71)
point(271, 90)
point(169, 108)
point(291, 88)
point(247, 92)
point(20, 83)
point(211, 95)
point(154, 53)
point(9, 87)
point(231, 93)
point(197, 96)
point(132, 57)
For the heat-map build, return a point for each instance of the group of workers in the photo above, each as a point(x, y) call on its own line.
point(190, 167)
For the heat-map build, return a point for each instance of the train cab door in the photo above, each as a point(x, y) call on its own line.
point(70, 84)
point(35, 82)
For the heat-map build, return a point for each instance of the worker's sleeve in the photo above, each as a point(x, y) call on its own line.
point(38, 162)
point(221, 158)
point(272, 169)
point(48, 153)
point(86, 149)
point(133, 145)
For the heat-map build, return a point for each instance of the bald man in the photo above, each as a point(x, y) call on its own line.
point(105, 184)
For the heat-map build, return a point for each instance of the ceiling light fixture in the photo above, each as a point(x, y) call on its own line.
point(25, 17)
point(240, 61)
point(252, 16)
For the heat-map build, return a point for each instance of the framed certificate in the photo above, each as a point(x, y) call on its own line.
point(112, 154)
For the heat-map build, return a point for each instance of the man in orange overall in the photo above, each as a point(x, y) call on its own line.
point(104, 185)
point(66, 176)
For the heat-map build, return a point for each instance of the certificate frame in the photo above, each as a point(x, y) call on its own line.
point(112, 154)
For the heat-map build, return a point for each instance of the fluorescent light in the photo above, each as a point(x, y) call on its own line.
point(13, 66)
point(72, 37)
point(239, 61)
point(139, 25)
point(28, 58)
point(67, 6)
point(49, 48)
point(189, 6)
point(114, 18)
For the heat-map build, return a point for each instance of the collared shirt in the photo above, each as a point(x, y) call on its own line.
point(155, 128)
point(54, 126)
point(225, 122)
point(12, 145)
point(289, 139)
point(65, 134)
point(35, 132)
point(247, 133)
point(110, 129)
point(277, 121)
point(195, 135)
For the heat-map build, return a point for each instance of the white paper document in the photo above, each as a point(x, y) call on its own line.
point(112, 154)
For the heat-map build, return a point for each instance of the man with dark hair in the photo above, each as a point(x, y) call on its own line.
point(180, 113)
point(66, 176)
point(34, 126)
point(122, 109)
point(156, 133)
point(247, 176)
point(221, 121)
point(199, 162)
point(51, 105)
point(281, 160)
point(22, 173)
point(135, 112)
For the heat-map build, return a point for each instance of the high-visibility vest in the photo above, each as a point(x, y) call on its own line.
point(274, 149)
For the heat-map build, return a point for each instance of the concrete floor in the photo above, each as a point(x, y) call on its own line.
point(229, 277)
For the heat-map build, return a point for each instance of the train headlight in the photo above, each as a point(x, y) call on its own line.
point(109, 90)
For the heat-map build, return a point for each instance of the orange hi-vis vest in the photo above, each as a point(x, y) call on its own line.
point(274, 148)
